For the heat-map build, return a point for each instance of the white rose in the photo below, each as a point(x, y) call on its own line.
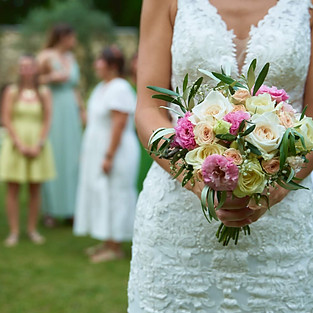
point(215, 104)
point(267, 134)
point(197, 156)
point(260, 104)
point(305, 128)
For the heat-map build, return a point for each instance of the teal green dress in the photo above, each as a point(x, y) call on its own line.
point(58, 196)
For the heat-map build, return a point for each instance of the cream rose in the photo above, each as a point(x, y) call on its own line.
point(271, 166)
point(267, 134)
point(305, 128)
point(239, 107)
point(260, 104)
point(234, 155)
point(197, 156)
point(215, 104)
point(204, 133)
point(240, 96)
point(251, 179)
point(286, 119)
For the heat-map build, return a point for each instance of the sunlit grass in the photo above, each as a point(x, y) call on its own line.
point(57, 277)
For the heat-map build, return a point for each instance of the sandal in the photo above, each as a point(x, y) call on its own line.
point(106, 255)
point(95, 249)
point(36, 238)
point(11, 241)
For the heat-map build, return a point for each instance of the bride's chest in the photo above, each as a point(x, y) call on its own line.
point(202, 40)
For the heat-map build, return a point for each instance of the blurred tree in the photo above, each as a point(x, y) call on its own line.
point(123, 12)
point(12, 11)
point(91, 25)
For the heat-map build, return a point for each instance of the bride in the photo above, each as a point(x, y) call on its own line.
point(177, 265)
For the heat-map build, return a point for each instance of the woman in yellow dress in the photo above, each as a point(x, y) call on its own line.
point(26, 155)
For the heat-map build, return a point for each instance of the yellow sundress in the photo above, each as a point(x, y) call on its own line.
point(27, 120)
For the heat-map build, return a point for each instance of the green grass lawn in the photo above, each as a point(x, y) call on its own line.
point(57, 277)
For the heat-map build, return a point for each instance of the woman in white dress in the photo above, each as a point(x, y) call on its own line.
point(107, 193)
point(178, 264)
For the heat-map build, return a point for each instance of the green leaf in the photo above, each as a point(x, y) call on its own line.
point(159, 133)
point(251, 74)
point(260, 80)
point(204, 195)
point(210, 197)
point(166, 98)
point(179, 171)
point(195, 88)
point(222, 199)
point(249, 130)
point(284, 148)
point(242, 126)
point(291, 175)
point(303, 112)
point(172, 110)
point(164, 91)
point(228, 80)
point(185, 83)
point(298, 186)
point(253, 148)
point(292, 143)
point(227, 137)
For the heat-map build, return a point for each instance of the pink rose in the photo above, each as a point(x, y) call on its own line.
point(235, 118)
point(271, 166)
point(276, 94)
point(233, 155)
point(184, 136)
point(220, 173)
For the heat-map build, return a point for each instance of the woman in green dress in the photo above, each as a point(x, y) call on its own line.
point(26, 155)
point(59, 69)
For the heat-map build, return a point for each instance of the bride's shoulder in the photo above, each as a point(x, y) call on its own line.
point(165, 8)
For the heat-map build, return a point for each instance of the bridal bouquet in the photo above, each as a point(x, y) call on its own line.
point(241, 139)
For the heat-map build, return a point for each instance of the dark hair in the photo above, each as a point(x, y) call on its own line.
point(58, 32)
point(114, 57)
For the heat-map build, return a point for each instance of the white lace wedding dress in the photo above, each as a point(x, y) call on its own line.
point(177, 265)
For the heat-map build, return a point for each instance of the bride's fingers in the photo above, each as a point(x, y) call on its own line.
point(234, 215)
point(254, 206)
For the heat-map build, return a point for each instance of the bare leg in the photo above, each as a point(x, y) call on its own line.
point(12, 213)
point(34, 206)
point(12, 207)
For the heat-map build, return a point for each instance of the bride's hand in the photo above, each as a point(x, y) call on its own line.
point(236, 212)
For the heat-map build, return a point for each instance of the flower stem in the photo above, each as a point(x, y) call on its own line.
point(225, 234)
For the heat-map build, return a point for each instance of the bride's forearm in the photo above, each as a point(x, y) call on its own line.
point(149, 119)
point(307, 167)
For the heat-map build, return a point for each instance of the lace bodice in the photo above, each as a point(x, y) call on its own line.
point(178, 266)
point(201, 40)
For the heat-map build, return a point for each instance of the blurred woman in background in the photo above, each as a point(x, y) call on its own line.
point(59, 69)
point(107, 192)
point(26, 156)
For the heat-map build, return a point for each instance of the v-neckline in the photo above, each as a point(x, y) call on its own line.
point(248, 38)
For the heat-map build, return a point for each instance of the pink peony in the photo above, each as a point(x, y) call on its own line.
point(184, 136)
point(235, 118)
point(220, 173)
point(276, 94)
